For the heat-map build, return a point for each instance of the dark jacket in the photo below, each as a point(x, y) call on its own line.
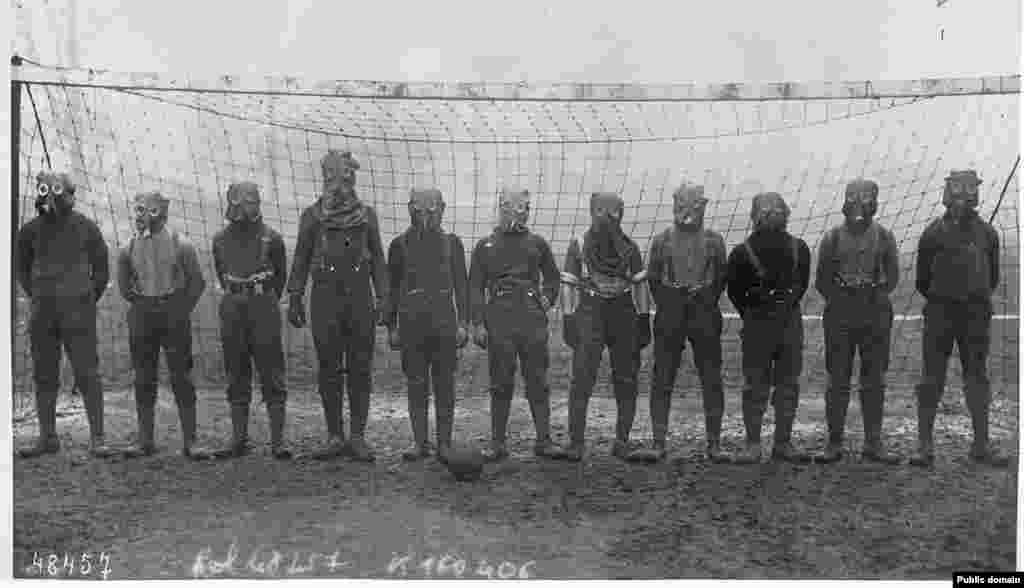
point(405, 277)
point(62, 257)
point(189, 279)
point(884, 257)
point(242, 250)
point(308, 252)
point(520, 259)
point(660, 258)
point(775, 250)
point(958, 261)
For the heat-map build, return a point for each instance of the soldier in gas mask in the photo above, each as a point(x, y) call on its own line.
point(159, 276)
point(513, 281)
point(427, 318)
point(250, 258)
point(768, 275)
point(957, 272)
point(686, 270)
point(339, 245)
point(63, 268)
point(604, 305)
point(858, 267)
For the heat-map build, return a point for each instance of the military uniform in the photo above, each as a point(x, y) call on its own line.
point(768, 276)
point(159, 275)
point(429, 298)
point(856, 272)
point(62, 266)
point(339, 249)
point(686, 270)
point(249, 258)
point(510, 301)
point(602, 307)
point(957, 272)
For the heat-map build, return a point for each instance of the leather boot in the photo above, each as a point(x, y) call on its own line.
point(276, 415)
point(239, 433)
point(145, 445)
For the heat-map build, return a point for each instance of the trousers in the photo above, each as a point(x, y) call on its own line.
point(68, 322)
point(700, 323)
point(772, 349)
point(604, 323)
point(156, 324)
point(867, 333)
point(517, 335)
point(343, 334)
point(250, 329)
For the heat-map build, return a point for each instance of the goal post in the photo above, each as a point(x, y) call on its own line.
point(120, 133)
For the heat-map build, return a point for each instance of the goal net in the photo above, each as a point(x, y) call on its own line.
point(122, 133)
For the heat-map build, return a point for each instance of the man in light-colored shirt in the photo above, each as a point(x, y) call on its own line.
point(159, 275)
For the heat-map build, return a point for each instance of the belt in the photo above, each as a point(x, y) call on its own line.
point(163, 299)
point(251, 288)
point(417, 291)
point(591, 292)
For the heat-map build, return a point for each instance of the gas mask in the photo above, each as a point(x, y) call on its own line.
point(426, 209)
point(55, 194)
point(513, 209)
point(150, 213)
point(688, 204)
point(861, 203)
point(339, 173)
point(960, 196)
point(243, 203)
point(606, 209)
point(769, 212)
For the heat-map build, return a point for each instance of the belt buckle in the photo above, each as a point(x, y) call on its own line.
point(257, 288)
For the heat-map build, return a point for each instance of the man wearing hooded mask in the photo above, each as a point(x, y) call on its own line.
point(427, 317)
point(604, 305)
point(160, 277)
point(249, 258)
point(858, 267)
point(339, 246)
point(957, 272)
point(513, 281)
point(63, 268)
point(767, 276)
point(686, 272)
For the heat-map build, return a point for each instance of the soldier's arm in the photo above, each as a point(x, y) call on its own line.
point(218, 259)
point(925, 254)
point(823, 281)
point(803, 269)
point(890, 262)
point(572, 269)
point(656, 268)
point(551, 277)
point(477, 284)
point(993, 257)
point(738, 280)
point(25, 256)
point(396, 272)
point(641, 297)
point(378, 263)
point(278, 254)
point(195, 284)
point(460, 279)
point(720, 263)
point(303, 254)
point(125, 278)
point(99, 258)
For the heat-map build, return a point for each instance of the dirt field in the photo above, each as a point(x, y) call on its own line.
point(164, 517)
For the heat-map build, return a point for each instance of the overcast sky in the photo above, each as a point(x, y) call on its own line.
point(538, 40)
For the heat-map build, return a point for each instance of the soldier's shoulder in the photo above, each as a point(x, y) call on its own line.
point(537, 238)
point(886, 233)
point(219, 236)
point(711, 235)
point(271, 234)
point(84, 221)
point(31, 226)
point(182, 240)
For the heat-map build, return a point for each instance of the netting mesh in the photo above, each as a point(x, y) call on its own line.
point(192, 144)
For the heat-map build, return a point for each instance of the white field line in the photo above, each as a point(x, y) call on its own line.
point(898, 317)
